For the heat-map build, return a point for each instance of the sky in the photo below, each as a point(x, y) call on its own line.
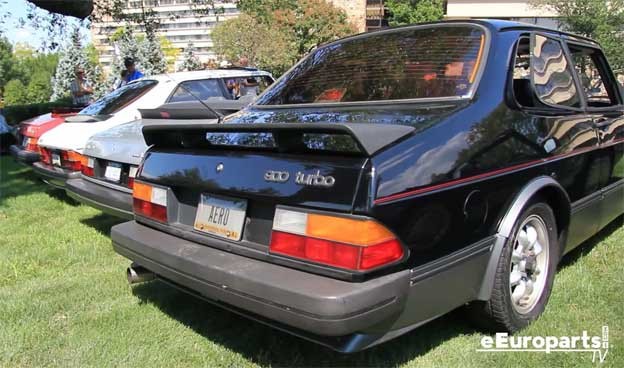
point(26, 34)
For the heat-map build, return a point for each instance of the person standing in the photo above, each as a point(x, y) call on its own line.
point(132, 72)
point(247, 86)
point(80, 88)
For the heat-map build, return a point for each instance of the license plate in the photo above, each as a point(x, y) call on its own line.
point(113, 171)
point(56, 159)
point(25, 142)
point(221, 216)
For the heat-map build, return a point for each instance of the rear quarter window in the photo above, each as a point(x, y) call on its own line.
point(119, 98)
point(203, 89)
point(411, 63)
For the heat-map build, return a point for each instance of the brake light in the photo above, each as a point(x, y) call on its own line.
point(46, 157)
point(71, 160)
point(350, 243)
point(131, 175)
point(87, 165)
point(31, 145)
point(150, 201)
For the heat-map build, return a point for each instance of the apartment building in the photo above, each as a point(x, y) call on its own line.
point(372, 14)
point(518, 10)
point(179, 24)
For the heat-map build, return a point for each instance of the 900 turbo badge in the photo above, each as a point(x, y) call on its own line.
point(276, 176)
point(313, 180)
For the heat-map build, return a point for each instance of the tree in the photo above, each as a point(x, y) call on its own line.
point(6, 61)
point(73, 56)
point(151, 56)
point(273, 34)
point(39, 89)
point(313, 22)
point(171, 52)
point(266, 47)
point(146, 52)
point(404, 12)
point(597, 19)
point(190, 62)
point(15, 93)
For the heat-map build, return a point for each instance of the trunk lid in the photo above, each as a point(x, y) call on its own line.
point(310, 163)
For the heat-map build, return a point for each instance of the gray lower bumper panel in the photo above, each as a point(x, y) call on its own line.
point(111, 201)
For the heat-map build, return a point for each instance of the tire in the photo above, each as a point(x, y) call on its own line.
point(521, 290)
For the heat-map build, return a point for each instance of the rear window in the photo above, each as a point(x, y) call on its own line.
point(119, 98)
point(412, 63)
point(203, 89)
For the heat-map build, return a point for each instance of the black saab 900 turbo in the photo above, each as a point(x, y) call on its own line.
point(387, 179)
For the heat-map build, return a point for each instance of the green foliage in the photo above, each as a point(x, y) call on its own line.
point(404, 12)
point(6, 61)
point(169, 51)
point(190, 62)
point(598, 19)
point(265, 47)
point(39, 88)
point(153, 59)
point(273, 34)
point(15, 93)
point(31, 68)
point(145, 50)
point(73, 56)
point(263, 10)
point(313, 22)
point(17, 113)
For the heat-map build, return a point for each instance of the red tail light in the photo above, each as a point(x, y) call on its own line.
point(151, 210)
point(31, 145)
point(150, 201)
point(87, 166)
point(46, 157)
point(72, 160)
point(350, 243)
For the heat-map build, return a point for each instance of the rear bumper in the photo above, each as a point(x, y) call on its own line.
point(115, 202)
point(55, 176)
point(345, 316)
point(313, 303)
point(22, 156)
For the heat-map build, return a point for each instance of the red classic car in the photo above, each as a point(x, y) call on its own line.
point(26, 150)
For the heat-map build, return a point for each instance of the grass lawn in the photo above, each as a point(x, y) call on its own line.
point(64, 301)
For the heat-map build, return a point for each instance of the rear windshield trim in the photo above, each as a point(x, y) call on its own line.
point(467, 96)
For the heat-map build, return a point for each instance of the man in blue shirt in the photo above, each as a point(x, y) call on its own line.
point(132, 72)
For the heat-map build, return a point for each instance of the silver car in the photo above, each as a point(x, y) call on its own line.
point(112, 157)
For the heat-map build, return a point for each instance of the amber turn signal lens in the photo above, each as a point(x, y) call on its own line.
point(346, 230)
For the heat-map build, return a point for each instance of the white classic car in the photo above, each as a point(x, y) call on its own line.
point(62, 148)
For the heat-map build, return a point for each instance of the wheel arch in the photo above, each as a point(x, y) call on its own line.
point(553, 193)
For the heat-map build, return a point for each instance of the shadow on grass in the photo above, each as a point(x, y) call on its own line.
point(62, 196)
point(102, 223)
point(587, 246)
point(270, 347)
point(17, 180)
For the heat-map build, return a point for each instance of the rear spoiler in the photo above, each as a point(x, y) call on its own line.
point(193, 109)
point(370, 137)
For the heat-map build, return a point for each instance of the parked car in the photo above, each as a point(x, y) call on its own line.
point(387, 179)
point(113, 156)
point(6, 136)
point(62, 148)
point(26, 150)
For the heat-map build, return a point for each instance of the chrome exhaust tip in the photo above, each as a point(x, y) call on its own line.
point(137, 274)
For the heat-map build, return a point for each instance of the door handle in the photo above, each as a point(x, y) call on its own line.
point(602, 123)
